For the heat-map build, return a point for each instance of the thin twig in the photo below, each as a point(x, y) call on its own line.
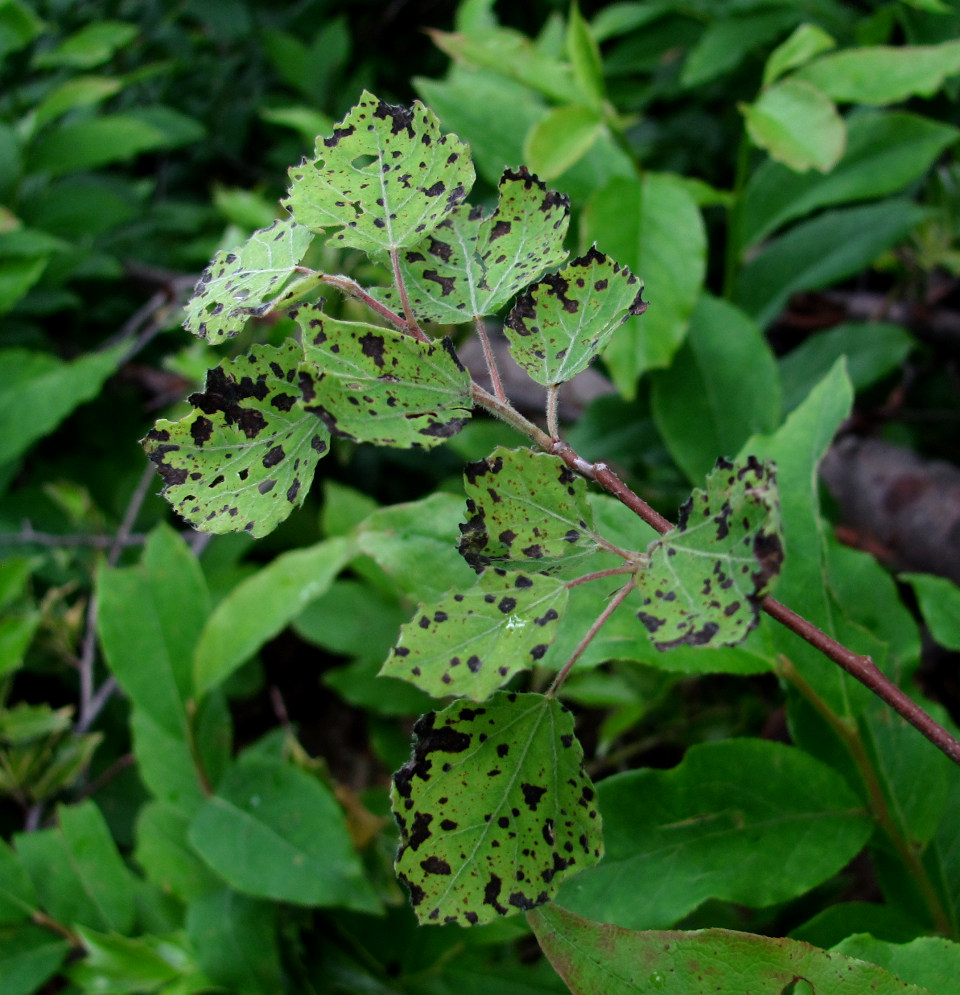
point(28, 536)
point(598, 623)
point(412, 327)
point(599, 574)
point(863, 669)
point(91, 704)
point(353, 289)
point(553, 399)
point(491, 360)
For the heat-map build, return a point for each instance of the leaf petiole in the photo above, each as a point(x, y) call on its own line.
point(598, 624)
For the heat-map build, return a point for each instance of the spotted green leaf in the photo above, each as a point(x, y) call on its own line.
point(495, 809)
point(472, 642)
point(559, 326)
point(375, 384)
point(244, 458)
point(526, 510)
point(249, 281)
point(384, 179)
point(474, 263)
point(705, 579)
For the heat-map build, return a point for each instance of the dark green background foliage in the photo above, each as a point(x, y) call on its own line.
point(198, 728)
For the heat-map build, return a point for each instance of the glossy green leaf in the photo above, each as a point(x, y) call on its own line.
point(474, 848)
point(939, 600)
point(563, 322)
point(249, 281)
point(514, 56)
point(806, 42)
point(168, 764)
point(930, 961)
point(415, 544)
point(37, 391)
point(82, 91)
point(653, 226)
point(872, 350)
point(118, 964)
point(730, 37)
point(19, 25)
point(881, 74)
point(596, 959)
point(704, 386)
point(260, 607)
point(244, 458)
point(90, 46)
point(525, 510)
point(560, 139)
point(816, 253)
point(16, 635)
point(384, 179)
point(29, 956)
point(273, 831)
point(18, 898)
point(149, 620)
point(886, 150)
point(99, 141)
point(706, 578)
point(374, 384)
point(585, 58)
point(235, 941)
point(472, 642)
point(77, 872)
point(743, 820)
point(474, 263)
point(166, 856)
point(798, 125)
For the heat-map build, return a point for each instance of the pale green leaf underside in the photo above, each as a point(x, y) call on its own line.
point(707, 577)
point(375, 384)
point(244, 458)
point(384, 179)
point(473, 264)
point(594, 958)
point(525, 510)
point(494, 809)
point(245, 282)
point(473, 642)
point(558, 327)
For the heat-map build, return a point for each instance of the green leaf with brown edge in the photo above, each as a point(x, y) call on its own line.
point(472, 642)
point(374, 384)
point(559, 326)
point(474, 263)
point(384, 179)
point(475, 848)
point(525, 510)
point(244, 458)
point(596, 959)
point(706, 578)
point(249, 281)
